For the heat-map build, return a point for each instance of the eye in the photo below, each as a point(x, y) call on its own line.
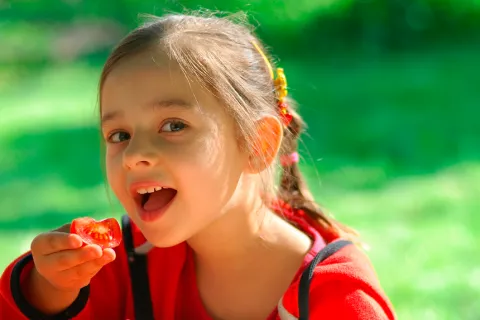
point(118, 137)
point(173, 126)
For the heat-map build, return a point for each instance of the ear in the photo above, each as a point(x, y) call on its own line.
point(266, 144)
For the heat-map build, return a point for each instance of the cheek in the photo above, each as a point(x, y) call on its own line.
point(113, 167)
point(209, 165)
point(202, 150)
point(206, 155)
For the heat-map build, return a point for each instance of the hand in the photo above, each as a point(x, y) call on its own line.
point(62, 260)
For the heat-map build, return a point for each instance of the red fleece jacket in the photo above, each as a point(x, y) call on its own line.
point(343, 286)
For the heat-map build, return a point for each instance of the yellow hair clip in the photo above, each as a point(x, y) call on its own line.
point(280, 83)
point(269, 66)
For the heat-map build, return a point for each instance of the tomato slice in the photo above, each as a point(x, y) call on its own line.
point(105, 233)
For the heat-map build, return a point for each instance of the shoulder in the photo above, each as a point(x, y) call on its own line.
point(343, 286)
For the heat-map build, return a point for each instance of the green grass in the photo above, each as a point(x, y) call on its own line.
point(395, 146)
point(423, 234)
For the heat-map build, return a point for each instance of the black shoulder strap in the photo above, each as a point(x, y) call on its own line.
point(138, 275)
point(307, 275)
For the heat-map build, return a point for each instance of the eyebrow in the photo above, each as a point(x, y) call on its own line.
point(161, 104)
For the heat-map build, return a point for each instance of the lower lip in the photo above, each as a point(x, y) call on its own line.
point(150, 216)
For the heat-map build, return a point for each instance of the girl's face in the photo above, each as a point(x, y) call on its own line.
point(168, 134)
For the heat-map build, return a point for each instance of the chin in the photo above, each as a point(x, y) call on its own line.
point(161, 238)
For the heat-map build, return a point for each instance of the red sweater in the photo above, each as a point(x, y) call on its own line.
point(343, 286)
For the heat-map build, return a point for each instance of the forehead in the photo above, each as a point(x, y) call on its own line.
point(144, 77)
point(147, 80)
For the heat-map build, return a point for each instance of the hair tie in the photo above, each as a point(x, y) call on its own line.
point(287, 160)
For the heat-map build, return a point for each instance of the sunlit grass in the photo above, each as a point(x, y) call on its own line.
point(423, 234)
point(59, 96)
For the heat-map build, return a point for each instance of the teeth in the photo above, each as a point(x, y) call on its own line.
point(148, 190)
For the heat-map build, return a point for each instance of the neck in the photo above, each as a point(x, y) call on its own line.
point(235, 235)
point(246, 235)
point(237, 259)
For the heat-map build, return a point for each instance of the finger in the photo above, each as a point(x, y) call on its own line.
point(89, 269)
point(109, 253)
point(51, 242)
point(68, 259)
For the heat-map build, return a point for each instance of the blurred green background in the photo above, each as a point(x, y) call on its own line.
point(390, 90)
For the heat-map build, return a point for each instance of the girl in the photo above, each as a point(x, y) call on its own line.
point(194, 119)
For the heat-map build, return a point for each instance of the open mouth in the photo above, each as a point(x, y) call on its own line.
point(155, 199)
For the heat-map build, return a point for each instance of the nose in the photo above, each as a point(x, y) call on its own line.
point(140, 153)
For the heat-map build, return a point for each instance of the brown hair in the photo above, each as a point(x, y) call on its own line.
point(219, 52)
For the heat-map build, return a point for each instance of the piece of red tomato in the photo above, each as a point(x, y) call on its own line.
point(104, 233)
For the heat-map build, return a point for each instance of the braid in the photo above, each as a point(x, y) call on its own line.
point(293, 189)
point(290, 184)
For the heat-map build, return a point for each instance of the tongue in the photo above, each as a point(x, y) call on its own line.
point(159, 199)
